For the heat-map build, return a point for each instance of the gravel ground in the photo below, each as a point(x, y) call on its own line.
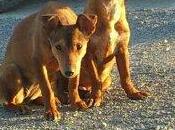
point(8, 4)
point(153, 69)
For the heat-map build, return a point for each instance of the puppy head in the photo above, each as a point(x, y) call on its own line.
point(69, 40)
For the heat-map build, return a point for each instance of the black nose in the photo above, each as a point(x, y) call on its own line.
point(69, 73)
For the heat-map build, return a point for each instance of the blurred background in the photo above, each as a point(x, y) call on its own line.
point(6, 5)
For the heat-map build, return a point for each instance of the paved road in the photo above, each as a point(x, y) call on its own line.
point(153, 69)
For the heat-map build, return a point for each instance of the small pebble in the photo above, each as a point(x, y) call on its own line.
point(104, 124)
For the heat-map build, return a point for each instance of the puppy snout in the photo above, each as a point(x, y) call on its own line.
point(69, 73)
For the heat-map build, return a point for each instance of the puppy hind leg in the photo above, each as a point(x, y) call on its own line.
point(12, 86)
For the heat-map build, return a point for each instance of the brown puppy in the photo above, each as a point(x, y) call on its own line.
point(50, 40)
point(109, 44)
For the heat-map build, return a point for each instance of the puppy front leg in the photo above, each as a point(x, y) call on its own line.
point(75, 99)
point(122, 59)
point(96, 96)
point(51, 112)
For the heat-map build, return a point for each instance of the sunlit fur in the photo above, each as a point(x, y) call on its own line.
point(32, 61)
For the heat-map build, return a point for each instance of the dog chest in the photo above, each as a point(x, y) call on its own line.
point(105, 45)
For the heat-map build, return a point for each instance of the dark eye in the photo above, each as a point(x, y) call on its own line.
point(79, 46)
point(58, 47)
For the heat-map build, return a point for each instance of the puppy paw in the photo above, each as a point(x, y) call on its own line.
point(95, 102)
point(140, 95)
point(96, 99)
point(133, 92)
point(79, 105)
point(22, 109)
point(53, 115)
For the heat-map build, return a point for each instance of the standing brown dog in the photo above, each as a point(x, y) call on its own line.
point(50, 40)
point(109, 44)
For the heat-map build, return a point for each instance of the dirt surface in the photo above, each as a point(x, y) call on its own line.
point(153, 69)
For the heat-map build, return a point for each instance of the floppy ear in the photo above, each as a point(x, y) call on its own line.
point(87, 23)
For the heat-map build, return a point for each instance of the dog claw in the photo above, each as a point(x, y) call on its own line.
point(94, 102)
point(96, 99)
point(97, 103)
point(138, 95)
